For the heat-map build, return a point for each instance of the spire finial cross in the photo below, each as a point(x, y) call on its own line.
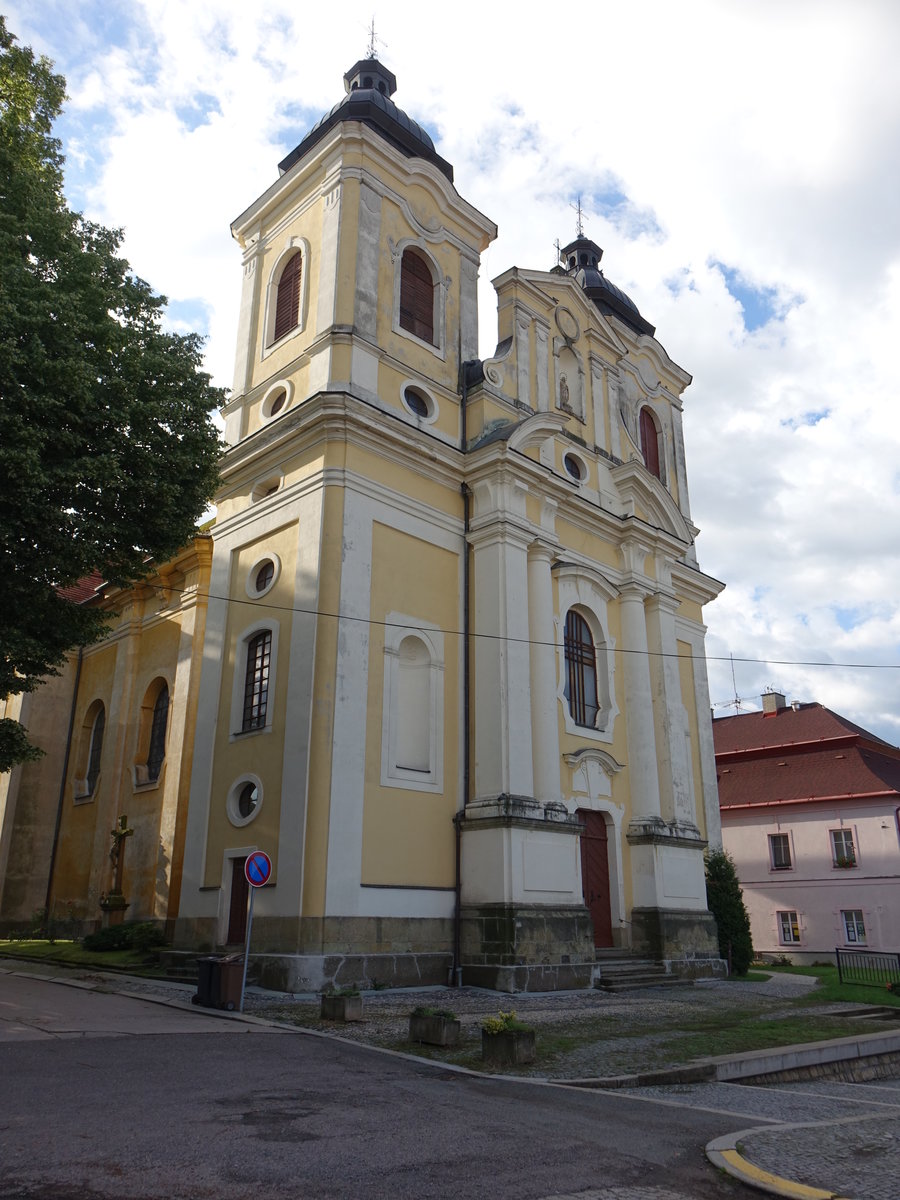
point(579, 222)
point(373, 38)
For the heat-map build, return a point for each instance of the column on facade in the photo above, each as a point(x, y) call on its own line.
point(671, 727)
point(642, 765)
point(542, 366)
point(243, 362)
point(502, 663)
point(598, 370)
point(544, 723)
point(523, 357)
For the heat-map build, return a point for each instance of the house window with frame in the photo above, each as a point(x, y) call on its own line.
point(780, 852)
point(417, 296)
point(256, 681)
point(788, 928)
point(287, 297)
point(95, 752)
point(581, 671)
point(157, 748)
point(650, 442)
point(854, 926)
point(843, 852)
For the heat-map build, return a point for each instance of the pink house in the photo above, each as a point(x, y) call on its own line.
point(810, 808)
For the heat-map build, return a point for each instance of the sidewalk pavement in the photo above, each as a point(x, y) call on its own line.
point(848, 1155)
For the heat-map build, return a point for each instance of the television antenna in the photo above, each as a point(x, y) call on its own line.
point(737, 703)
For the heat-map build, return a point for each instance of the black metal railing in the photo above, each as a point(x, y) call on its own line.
point(876, 968)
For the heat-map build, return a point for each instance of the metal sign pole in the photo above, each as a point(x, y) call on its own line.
point(247, 948)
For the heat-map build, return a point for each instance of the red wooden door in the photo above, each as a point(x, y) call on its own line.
point(595, 875)
point(240, 894)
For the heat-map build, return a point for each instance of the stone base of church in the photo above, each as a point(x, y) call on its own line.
point(320, 972)
point(685, 939)
point(514, 948)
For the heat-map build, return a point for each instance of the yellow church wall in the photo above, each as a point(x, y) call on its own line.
point(419, 488)
point(574, 537)
point(322, 724)
point(256, 752)
point(408, 835)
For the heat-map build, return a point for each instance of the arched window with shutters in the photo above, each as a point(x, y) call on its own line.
point(287, 297)
point(153, 722)
point(417, 296)
point(581, 671)
point(650, 442)
point(158, 724)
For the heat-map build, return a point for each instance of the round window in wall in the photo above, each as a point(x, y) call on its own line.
point(419, 403)
point(276, 399)
point(575, 467)
point(262, 575)
point(244, 800)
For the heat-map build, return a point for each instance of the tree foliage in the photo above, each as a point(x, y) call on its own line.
point(107, 453)
point(726, 903)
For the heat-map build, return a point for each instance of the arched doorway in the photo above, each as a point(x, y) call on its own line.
point(595, 874)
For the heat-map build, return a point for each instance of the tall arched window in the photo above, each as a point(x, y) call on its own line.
point(417, 296)
point(581, 671)
point(256, 681)
point(413, 742)
point(156, 751)
point(650, 442)
point(96, 750)
point(287, 301)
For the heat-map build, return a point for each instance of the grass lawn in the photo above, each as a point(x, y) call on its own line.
point(71, 954)
point(831, 990)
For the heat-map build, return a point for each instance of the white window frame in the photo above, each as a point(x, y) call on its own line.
point(268, 346)
point(245, 637)
point(269, 556)
point(265, 407)
point(588, 595)
point(773, 866)
point(400, 626)
point(440, 292)
point(853, 921)
point(790, 940)
point(842, 834)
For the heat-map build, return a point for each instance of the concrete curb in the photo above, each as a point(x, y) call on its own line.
point(723, 1152)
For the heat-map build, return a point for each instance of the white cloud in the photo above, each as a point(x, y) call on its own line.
point(761, 137)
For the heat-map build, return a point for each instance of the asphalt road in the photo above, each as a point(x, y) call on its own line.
point(107, 1096)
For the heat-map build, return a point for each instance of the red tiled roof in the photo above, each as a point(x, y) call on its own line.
point(800, 754)
point(84, 589)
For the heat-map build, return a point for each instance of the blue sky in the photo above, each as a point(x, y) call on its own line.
point(756, 227)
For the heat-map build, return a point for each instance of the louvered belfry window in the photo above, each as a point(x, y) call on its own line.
point(287, 302)
point(581, 671)
point(416, 296)
point(256, 681)
point(650, 442)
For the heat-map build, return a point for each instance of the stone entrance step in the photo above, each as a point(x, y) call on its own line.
point(622, 971)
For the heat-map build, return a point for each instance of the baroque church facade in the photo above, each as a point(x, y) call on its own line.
point(442, 655)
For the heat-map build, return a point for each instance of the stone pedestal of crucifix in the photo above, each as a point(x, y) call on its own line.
point(113, 902)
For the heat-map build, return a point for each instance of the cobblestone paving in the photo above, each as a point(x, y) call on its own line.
point(614, 1192)
point(860, 1156)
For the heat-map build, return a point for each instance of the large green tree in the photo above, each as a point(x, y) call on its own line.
point(726, 903)
point(107, 453)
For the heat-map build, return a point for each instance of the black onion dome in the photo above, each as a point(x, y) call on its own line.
point(369, 87)
point(582, 258)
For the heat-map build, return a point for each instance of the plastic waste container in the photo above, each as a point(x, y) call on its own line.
point(219, 981)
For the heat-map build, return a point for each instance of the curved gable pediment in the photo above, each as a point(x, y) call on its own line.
point(636, 484)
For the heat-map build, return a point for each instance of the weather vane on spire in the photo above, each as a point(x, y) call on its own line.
point(373, 38)
point(579, 223)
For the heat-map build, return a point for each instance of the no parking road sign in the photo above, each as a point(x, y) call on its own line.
point(258, 868)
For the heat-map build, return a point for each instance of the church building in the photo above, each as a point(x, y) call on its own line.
point(451, 676)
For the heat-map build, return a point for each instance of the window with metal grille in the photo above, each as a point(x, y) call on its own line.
point(93, 771)
point(416, 296)
point(780, 851)
point(843, 852)
point(650, 442)
point(264, 575)
point(854, 926)
point(581, 671)
point(788, 927)
point(287, 301)
point(157, 751)
point(256, 681)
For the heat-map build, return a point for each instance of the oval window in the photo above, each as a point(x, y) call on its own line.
point(278, 403)
point(247, 800)
point(416, 402)
point(264, 575)
point(574, 467)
